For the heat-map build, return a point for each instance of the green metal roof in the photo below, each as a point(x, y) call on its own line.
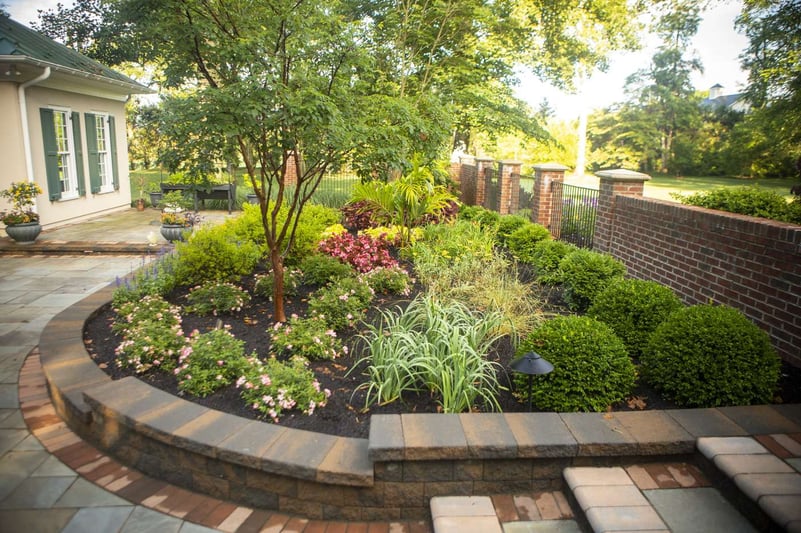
point(24, 45)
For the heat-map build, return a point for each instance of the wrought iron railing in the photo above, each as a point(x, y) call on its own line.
point(573, 215)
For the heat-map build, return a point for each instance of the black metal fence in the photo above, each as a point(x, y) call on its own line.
point(575, 221)
point(492, 200)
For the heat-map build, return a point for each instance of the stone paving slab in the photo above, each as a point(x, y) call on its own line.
point(761, 419)
point(700, 510)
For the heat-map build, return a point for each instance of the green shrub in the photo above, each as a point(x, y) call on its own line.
point(747, 200)
point(151, 332)
point(319, 269)
point(524, 239)
point(209, 362)
point(313, 221)
point(546, 257)
point(708, 356)
point(484, 217)
point(591, 368)
point(293, 279)
point(633, 308)
point(389, 280)
point(216, 297)
point(508, 224)
point(308, 337)
point(154, 279)
point(342, 303)
point(214, 254)
point(272, 387)
point(585, 274)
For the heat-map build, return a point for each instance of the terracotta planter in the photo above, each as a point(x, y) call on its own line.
point(24, 233)
point(173, 232)
point(140, 204)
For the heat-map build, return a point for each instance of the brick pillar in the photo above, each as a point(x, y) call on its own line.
point(544, 175)
point(482, 164)
point(455, 172)
point(290, 174)
point(509, 184)
point(613, 182)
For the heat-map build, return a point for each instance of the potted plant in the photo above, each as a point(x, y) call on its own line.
point(22, 222)
point(154, 190)
point(176, 218)
point(140, 202)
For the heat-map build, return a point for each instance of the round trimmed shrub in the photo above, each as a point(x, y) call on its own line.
point(546, 257)
point(507, 224)
point(522, 241)
point(709, 356)
point(585, 274)
point(591, 368)
point(633, 308)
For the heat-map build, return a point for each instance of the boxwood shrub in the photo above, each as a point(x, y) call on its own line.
point(633, 308)
point(592, 369)
point(585, 274)
point(546, 257)
point(709, 356)
point(523, 240)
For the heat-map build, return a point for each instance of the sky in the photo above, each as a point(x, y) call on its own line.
point(717, 44)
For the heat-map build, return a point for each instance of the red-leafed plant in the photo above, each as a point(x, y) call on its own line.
point(363, 252)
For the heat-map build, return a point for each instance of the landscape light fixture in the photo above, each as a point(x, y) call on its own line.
point(531, 364)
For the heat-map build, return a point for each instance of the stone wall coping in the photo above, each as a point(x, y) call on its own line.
point(81, 392)
point(622, 174)
point(551, 167)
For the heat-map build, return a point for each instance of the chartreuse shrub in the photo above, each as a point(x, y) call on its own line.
point(319, 269)
point(633, 308)
point(487, 219)
point(272, 387)
point(215, 254)
point(209, 362)
point(436, 346)
point(709, 356)
point(585, 274)
point(546, 257)
point(342, 303)
point(591, 367)
point(522, 241)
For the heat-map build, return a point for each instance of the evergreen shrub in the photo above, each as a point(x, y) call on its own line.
point(709, 356)
point(585, 274)
point(523, 240)
point(546, 257)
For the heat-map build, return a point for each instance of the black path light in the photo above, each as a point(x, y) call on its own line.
point(531, 364)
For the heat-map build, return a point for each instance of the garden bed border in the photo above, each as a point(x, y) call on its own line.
point(406, 460)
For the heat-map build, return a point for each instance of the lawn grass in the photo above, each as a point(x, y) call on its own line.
point(661, 186)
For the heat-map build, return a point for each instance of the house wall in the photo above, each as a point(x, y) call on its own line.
point(61, 212)
point(749, 263)
point(12, 151)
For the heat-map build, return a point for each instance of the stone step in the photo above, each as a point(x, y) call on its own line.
point(766, 469)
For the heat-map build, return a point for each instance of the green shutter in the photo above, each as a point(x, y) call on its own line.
point(112, 134)
point(76, 141)
point(51, 154)
point(92, 156)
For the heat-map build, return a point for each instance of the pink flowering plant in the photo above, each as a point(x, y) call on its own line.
point(273, 387)
point(209, 362)
point(151, 332)
point(343, 302)
point(363, 252)
point(216, 298)
point(310, 337)
point(293, 279)
point(389, 280)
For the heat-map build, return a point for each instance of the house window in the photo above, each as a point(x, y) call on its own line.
point(61, 135)
point(100, 143)
point(68, 184)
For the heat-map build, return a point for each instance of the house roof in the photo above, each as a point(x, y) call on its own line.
point(29, 52)
point(722, 101)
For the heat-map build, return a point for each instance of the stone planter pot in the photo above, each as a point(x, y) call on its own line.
point(173, 232)
point(24, 233)
point(155, 198)
point(253, 199)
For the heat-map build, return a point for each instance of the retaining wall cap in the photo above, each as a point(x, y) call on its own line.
point(551, 167)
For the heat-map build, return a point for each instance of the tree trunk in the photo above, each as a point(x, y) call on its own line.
point(277, 263)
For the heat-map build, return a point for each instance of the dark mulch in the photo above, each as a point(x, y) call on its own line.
point(344, 414)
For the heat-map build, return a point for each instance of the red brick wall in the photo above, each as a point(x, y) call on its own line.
point(748, 263)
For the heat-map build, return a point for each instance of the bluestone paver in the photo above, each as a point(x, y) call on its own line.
point(699, 510)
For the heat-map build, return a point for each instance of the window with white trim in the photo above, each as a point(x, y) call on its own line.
point(104, 153)
point(67, 176)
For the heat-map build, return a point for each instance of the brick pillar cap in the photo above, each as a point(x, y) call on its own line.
point(621, 174)
point(551, 167)
point(484, 159)
point(510, 162)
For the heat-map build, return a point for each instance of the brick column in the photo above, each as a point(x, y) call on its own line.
point(482, 164)
point(544, 175)
point(290, 174)
point(509, 184)
point(613, 182)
